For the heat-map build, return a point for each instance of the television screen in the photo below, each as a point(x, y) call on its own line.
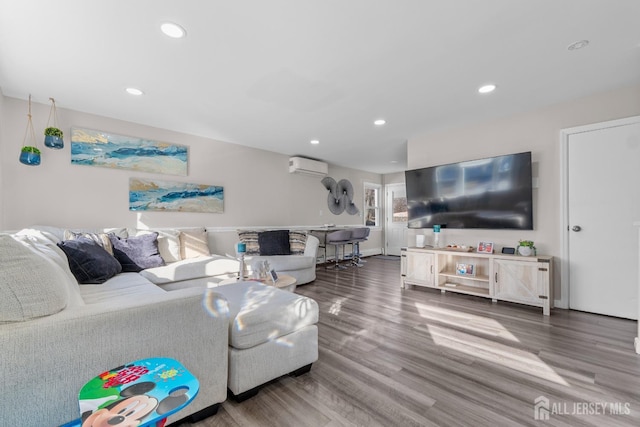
point(492, 193)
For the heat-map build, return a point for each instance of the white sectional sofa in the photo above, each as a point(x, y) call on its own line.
point(56, 334)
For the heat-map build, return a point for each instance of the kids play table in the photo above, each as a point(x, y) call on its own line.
point(146, 391)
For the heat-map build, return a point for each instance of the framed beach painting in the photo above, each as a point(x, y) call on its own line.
point(97, 148)
point(154, 195)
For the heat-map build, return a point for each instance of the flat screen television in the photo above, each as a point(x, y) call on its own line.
point(491, 193)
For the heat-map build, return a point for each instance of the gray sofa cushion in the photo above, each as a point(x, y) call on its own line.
point(32, 285)
point(284, 262)
point(192, 268)
point(131, 285)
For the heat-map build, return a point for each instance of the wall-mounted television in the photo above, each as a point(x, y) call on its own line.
point(491, 193)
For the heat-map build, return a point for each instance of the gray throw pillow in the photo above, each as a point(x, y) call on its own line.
point(137, 253)
point(89, 262)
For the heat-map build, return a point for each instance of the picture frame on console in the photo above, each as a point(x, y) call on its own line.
point(485, 247)
point(465, 269)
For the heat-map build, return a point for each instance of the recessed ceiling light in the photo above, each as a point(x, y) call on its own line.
point(578, 45)
point(314, 142)
point(394, 161)
point(173, 30)
point(487, 88)
point(380, 122)
point(134, 91)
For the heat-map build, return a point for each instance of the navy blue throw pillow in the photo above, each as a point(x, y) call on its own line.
point(89, 262)
point(137, 253)
point(274, 242)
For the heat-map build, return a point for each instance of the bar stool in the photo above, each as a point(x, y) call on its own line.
point(358, 235)
point(337, 239)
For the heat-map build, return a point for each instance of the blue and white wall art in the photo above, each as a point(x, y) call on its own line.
point(154, 195)
point(97, 148)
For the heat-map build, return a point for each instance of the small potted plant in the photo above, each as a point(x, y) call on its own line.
point(53, 137)
point(30, 155)
point(526, 248)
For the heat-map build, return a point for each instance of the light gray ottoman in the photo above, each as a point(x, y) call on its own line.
point(272, 333)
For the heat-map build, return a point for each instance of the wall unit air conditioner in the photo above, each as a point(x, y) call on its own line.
point(307, 166)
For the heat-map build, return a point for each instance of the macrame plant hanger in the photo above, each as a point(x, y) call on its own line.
point(30, 154)
point(52, 134)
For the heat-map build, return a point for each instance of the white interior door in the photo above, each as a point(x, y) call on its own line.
point(396, 219)
point(603, 203)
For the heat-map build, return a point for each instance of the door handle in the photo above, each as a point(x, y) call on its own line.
point(576, 228)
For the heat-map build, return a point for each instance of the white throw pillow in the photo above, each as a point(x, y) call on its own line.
point(43, 243)
point(193, 243)
point(31, 285)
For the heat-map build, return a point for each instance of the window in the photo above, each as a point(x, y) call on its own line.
point(372, 204)
point(399, 207)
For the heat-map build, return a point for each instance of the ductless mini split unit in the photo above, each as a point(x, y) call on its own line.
point(307, 166)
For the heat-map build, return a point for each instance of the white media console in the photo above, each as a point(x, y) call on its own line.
point(501, 277)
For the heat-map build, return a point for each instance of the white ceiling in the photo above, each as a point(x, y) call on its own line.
point(275, 74)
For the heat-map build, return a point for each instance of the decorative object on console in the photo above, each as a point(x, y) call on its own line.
point(509, 251)
point(153, 195)
point(97, 148)
point(52, 134)
point(465, 269)
point(30, 154)
point(526, 248)
point(458, 248)
point(340, 197)
point(436, 236)
point(420, 240)
point(485, 247)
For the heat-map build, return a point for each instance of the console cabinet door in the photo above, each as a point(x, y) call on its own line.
point(420, 268)
point(524, 282)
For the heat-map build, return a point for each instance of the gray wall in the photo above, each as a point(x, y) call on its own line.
point(259, 191)
point(538, 132)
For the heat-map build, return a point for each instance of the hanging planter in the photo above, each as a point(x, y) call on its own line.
point(30, 154)
point(52, 134)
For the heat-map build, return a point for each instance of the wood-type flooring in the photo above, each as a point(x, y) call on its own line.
point(416, 357)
